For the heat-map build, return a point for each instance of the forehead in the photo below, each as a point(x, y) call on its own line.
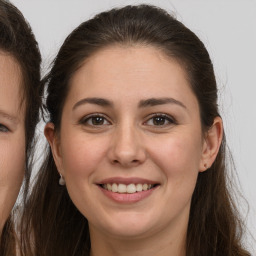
point(11, 90)
point(135, 71)
point(10, 69)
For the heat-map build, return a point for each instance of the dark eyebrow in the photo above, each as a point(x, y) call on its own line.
point(159, 101)
point(9, 117)
point(96, 101)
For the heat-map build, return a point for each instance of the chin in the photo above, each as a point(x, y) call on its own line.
point(129, 227)
point(128, 233)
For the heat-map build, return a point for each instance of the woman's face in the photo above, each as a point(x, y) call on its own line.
point(130, 145)
point(12, 135)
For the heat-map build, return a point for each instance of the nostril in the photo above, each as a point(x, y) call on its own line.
point(127, 162)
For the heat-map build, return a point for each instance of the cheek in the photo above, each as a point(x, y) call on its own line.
point(178, 154)
point(178, 158)
point(81, 155)
point(12, 165)
point(12, 160)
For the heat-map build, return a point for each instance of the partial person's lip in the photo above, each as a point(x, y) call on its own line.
point(127, 190)
point(127, 181)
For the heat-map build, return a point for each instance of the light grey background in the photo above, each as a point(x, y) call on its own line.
point(228, 29)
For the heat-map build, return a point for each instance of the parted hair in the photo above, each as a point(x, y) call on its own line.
point(57, 227)
point(17, 40)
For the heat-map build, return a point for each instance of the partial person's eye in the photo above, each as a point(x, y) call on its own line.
point(95, 120)
point(160, 120)
point(3, 128)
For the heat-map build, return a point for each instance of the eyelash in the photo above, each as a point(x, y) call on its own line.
point(164, 118)
point(88, 120)
point(3, 128)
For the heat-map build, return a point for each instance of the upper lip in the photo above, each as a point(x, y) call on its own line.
point(127, 181)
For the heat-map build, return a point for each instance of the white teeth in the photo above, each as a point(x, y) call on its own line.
point(114, 187)
point(131, 188)
point(121, 188)
point(139, 187)
point(145, 187)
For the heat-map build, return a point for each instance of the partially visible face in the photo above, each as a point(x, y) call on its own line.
point(12, 135)
point(130, 144)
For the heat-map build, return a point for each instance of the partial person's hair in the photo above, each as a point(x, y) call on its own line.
point(51, 219)
point(18, 41)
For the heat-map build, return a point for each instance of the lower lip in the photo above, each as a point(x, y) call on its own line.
point(127, 198)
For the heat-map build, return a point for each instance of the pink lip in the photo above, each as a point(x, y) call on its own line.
point(127, 181)
point(127, 198)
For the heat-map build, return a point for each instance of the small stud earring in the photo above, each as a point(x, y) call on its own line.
point(205, 166)
point(62, 180)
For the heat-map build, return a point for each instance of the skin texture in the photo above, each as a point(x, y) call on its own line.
point(129, 143)
point(12, 135)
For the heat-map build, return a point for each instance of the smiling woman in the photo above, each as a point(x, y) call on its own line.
point(19, 109)
point(137, 147)
point(137, 160)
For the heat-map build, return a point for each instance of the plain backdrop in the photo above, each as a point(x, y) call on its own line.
point(227, 28)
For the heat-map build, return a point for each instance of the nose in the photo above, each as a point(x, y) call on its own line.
point(127, 148)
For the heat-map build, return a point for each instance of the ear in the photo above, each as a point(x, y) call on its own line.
point(54, 141)
point(211, 144)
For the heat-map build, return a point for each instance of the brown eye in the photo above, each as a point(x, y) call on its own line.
point(160, 120)
point(95, 120)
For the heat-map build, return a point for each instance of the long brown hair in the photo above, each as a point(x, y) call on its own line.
point(17, 39)
point(57, 227)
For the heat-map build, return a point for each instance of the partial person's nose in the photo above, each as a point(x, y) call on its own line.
point(127, 149)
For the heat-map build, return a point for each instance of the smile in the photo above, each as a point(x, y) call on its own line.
point(127, 189)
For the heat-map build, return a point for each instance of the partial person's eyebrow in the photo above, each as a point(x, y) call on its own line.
point(159, 101)
point(96, 101)
point(9, 117)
